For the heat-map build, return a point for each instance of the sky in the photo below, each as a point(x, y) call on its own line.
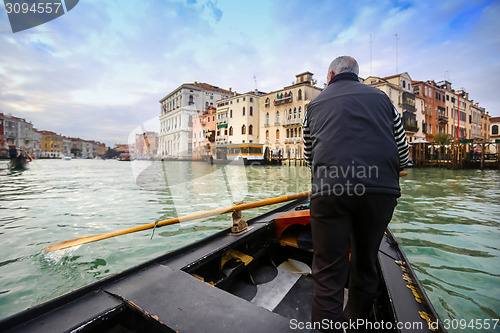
point(99, 71)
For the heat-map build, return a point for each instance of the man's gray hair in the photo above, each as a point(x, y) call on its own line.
point(344, 64)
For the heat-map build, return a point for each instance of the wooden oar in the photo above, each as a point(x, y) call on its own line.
point(95, 238)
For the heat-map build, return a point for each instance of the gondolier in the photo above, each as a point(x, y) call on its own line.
point(355, 144)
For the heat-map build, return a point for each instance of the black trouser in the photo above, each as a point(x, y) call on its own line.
point(336, 223)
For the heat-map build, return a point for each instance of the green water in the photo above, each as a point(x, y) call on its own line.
point(447, 222)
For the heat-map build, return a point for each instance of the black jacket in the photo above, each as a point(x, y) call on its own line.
point(352, 133)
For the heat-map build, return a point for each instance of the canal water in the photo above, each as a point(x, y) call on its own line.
point(446, 221)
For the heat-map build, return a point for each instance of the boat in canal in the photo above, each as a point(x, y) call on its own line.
point(19, 163)
point(253, 277)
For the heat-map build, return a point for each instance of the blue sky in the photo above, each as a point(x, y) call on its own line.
point(98, 71)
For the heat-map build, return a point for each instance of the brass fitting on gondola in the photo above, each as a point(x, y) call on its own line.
point(239, 225)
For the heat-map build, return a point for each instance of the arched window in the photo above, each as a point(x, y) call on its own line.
point(277, 117)
point(191, 99)
point(251, 110)
point(290, 94)
point(243, 110)
point(243, 129)
point(231, 130)
point(287, 132)
point(299, 95)
point(206, 105)
point(277, 134)
point(289, 114)
point(250, 130)
point(267, 119)
point(494, 130)
point(300, 112)
point(267, 135)
point(268, 102)
point(294, 113)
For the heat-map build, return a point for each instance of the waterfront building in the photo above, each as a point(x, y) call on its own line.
point(495, 128)
point(204, 129)
point(456, 107)
point(18, 132)
point(486, 125)
point(87, 149)
point(476, 124)
point(51, 145)
point(435, 114)
point(282, 114)
point(238, 118)
point(178, 109)
point(146, 145)
point(100, 149)
point(76, 148)
point(410, 107)
point(66, 146)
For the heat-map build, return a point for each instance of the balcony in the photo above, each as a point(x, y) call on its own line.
point(222, 120)
point(443, 119)
point(282, 101)
point(293, 121)
point(277, 123)
point(294, 140)
point(410, 128)
point(221, 138)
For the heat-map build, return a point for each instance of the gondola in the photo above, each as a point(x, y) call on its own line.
point(18, 163)
point(255, 280)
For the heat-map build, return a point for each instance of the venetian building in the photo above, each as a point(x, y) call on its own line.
point(282, 114)
point(178, 109)
point(435, 115)
point(238, 118)
point(409, 106)
point(204, 128)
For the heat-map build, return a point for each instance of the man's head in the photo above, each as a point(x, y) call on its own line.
point(343, 64)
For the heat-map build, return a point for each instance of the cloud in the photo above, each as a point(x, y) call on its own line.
point(100, 70)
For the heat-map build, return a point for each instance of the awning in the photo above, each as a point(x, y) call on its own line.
point(221, 125)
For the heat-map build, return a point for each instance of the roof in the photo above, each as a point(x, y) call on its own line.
point(495, 120)
point(201, 85)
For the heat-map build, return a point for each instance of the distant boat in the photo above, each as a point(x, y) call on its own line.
point(19, 163)
point(67, 158)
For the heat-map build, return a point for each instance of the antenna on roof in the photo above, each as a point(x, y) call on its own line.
point(397, 38)
point(255, 80)
point(370, 54)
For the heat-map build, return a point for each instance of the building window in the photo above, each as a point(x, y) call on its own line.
point(231, 130)
point(267, 119)
point(243, 110)
point(251, 110)
point(243, 129)
point(277, 117)
point(494, 130)
point(267, 135)
point(268, 102)
point(191, 100)
point(299, 95)
point(300, 112)
point(250, 130)
point(277, 134)
point(230, 113)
